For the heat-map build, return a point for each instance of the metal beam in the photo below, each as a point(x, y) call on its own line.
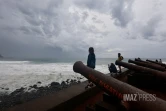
point(149, 65)
point(164, 65)
point(113, 86)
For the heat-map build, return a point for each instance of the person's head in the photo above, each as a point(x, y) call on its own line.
point(119, 54)
point(91, 50)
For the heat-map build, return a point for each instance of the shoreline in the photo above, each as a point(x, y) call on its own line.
point(23, 95)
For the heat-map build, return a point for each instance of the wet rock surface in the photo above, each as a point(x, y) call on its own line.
point(23, 95)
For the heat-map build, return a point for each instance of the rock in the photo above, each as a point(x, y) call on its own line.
point(6, 88)
point(67, 80)
point(19, 96)
point(63, 84)
point(39, 82)
point(21, 89)
point(34, 86)
point(18, 91)
point(71, 81)
point(54, 84)
point(41, 88)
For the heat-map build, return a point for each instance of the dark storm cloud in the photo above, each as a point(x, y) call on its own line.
point(8, 29)
point(14, 48)
point(42, 18)
point(149, 30)
point(96, 20)
point(33, 21)
point(121, 11)
point(26, 10)
point(85, 15)
point(37, 28)
point(25, 29)
point(99, 5)
point(1, 17)
point(56, 28)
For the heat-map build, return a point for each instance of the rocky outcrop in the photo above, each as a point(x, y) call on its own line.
point(23, 95)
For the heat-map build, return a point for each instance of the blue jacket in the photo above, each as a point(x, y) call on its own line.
point(91, 62)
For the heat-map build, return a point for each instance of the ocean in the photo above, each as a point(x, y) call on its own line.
point(15, 74)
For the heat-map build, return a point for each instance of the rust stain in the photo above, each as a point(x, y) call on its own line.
point(106, 86)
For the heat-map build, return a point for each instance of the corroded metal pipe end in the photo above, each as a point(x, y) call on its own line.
point(156, 63)
point(76, 66)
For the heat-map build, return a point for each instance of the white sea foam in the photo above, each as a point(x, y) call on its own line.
point(164, 62)
point(13, 62)
point(16, 74)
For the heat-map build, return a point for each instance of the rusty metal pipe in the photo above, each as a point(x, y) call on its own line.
point(161, 64)
point(141, 60)
point(148, 62)
point(113, 86)
point(153, 66)
point(157, 74)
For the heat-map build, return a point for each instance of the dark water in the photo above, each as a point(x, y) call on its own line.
point(99, 61)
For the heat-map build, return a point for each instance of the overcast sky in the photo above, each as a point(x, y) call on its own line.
point(67, 28)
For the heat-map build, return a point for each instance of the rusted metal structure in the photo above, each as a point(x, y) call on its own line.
point(141, 60)
point(118, 88)
point(148, 62)
point(164, 65)
point(153, 66)
point(158, 74)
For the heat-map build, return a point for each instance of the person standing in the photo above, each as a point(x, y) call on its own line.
point(120, 58)
point(160, 61)
point(91, 62)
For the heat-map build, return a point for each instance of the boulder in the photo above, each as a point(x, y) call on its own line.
point(34, 86)
point(54, 84)
point(39, 82)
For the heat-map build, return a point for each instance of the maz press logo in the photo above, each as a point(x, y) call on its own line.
point(139, 97)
